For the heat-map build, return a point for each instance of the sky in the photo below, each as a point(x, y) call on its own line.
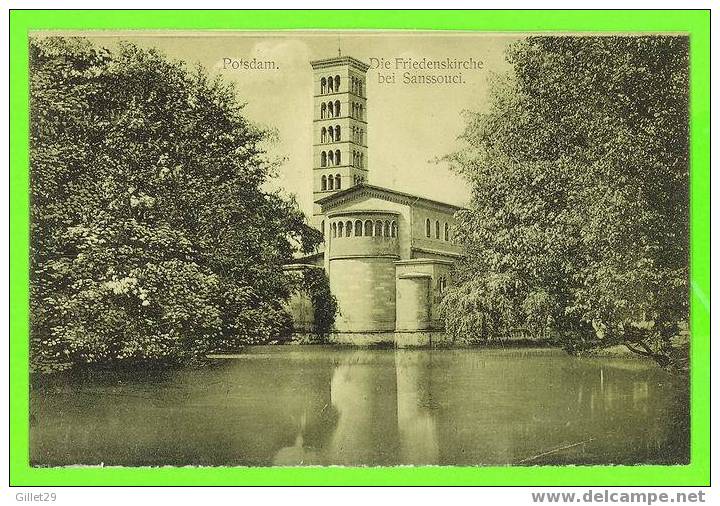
point(410, 126)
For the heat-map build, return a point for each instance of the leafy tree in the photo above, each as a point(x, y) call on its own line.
point(313, 288)
point(152, 236)
point(579, 213)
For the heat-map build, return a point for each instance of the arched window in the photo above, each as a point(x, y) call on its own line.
point(330, 84)
point(393, 230)
point(334, 230)
point(358, 228)
point(354, 158)
point(360, 111)
point(331, 134)
point(323, 110)
point(437, 229)
point(330, 182)
point(323, 159)
point(378, 228)
point(387, 229)
point(427, 227)
point(337, 157)
point(330, 113)
point(337, 181)
point(323, 183)
point(337, 83)
point(368, 228)
point(360, 90)
point(361, 160)
point(337, 108)
point(322, 227)
point(323, 84)
point(323, 135)
point(447, 232)
point(331, 158)
point(362, 134)
point(340, 228)
point(337, 133)
point(348, 229)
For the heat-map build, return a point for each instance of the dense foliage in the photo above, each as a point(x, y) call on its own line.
point(152, 235)
point(316, 305)
point(324, 303)
point(578, 220)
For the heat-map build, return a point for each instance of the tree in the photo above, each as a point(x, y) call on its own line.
point(579, 212)
point(152, 236)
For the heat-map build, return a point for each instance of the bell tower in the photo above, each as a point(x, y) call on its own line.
point(339, 126)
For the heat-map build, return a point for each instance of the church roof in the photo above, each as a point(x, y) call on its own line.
point(365, 189)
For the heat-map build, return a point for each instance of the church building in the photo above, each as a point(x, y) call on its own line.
point(388, 254)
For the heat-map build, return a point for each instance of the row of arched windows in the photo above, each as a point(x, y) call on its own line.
point(368, 228)
point(428, 230)
point(358, 159)
point(358, 179)
point(330, 182)
point(330, 110)
point(356, 85)
point(358, 135)
point(357, 111)
point(330, 134)
point(330, 84)
point(330, 158)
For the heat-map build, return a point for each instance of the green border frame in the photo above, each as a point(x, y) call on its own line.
point(694, 22)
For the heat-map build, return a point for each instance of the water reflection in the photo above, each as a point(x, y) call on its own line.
point(326, 406)
point(416, 410)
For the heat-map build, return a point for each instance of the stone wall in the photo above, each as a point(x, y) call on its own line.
point(413, 303)
point(365, 292)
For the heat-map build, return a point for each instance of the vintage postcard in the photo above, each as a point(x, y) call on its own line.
point(359, 248)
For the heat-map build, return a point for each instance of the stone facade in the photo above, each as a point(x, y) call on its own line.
point(388, 254)
point(386, 274)
point(339, 126)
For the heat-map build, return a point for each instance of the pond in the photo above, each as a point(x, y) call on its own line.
point(317, 405)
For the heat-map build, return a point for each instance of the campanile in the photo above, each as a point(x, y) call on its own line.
point(339, 127)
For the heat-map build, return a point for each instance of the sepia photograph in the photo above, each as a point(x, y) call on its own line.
point(359, 248)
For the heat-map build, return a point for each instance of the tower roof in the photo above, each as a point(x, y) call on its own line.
point(340, 60)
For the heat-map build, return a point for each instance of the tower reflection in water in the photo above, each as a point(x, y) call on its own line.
point(378, 410)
